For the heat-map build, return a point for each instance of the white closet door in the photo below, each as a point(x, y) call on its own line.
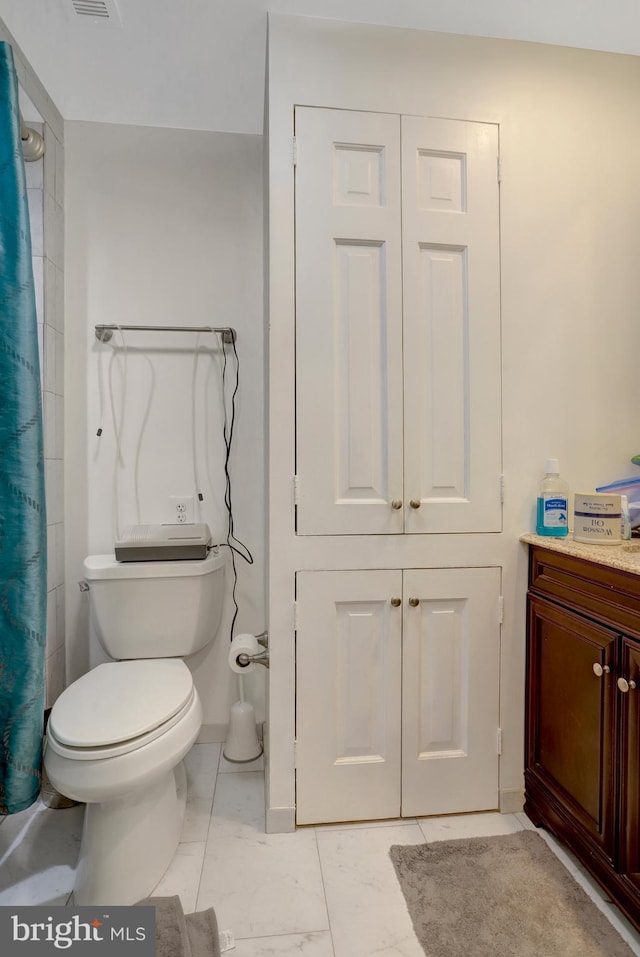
point(451, 668)
point(451, 325)
point(348, 322)
point(348, 713)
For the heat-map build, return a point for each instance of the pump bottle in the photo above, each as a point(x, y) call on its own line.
point(553, 503)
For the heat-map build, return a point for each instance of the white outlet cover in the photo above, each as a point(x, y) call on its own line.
point(182, 509)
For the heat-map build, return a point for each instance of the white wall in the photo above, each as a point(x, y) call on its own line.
point(164, 227)
point(570, 207)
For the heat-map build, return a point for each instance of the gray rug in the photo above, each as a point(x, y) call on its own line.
point(183, 935)
point(506, 896)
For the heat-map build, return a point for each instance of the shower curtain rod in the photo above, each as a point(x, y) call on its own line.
point(104, 333)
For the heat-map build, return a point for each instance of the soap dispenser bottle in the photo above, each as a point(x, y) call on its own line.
point(553, 503)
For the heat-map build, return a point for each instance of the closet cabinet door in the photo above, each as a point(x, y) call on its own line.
point(450, 690)
point(452, 422)
point(398, 396)
point(348, 322)
point(348, 664)
point(387, 654)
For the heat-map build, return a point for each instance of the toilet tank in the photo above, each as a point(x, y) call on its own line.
point(155, 609)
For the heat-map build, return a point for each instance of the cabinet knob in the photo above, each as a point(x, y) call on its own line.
point(414, 602)
point(396, 503)
point(600, 670)
point(396, 602)
point(625, 685)
point(415, 503)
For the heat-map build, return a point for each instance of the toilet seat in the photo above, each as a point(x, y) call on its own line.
point(119, 707)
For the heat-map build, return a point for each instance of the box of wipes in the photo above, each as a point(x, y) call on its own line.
point(597, 518)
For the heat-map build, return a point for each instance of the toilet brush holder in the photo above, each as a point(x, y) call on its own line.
point(242, 742)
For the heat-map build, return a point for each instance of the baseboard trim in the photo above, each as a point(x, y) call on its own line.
point(217, 733)
point(212, 734)
point(511, 801)
point(280, 820)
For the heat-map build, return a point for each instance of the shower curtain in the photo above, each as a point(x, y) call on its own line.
point(23, 574)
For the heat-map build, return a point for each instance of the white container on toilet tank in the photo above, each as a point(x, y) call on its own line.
point(596, 518)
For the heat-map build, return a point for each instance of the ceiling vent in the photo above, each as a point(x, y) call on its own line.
point(96, 11)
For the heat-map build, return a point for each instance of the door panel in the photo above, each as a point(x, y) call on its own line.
point(354, 456)
point(630, 776)
point(348, 322)
point(451, 667)
point(360, 428)
point(353, 650)
point(444, 450)
point(348, 665)
point(570, 743)
point(451, 325)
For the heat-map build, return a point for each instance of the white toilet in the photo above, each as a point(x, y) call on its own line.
point(117, 736)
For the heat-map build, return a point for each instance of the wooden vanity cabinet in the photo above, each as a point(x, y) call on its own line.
point(582, 748)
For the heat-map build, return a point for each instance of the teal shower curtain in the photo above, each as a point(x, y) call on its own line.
point(23, 575)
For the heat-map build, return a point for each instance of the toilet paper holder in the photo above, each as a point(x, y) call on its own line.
point(262, 658)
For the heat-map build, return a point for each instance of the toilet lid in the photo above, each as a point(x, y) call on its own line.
point(120, 700)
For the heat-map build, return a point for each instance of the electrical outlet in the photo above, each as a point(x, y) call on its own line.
point(182, 508)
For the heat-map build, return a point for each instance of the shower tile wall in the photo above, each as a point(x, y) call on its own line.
point(45, 186)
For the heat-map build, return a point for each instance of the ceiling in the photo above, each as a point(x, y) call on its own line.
point(200, 64)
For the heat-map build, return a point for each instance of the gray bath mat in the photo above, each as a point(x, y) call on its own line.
point(183, 935)
point(507, 895)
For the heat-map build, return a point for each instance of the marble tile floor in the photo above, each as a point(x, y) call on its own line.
point(325, 891)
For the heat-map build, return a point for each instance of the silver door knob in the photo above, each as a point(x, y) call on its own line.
point(396, 602)
point(625, 685)
point(396, 503)
point(415, 503)
point(414, 602)
point(599, 670)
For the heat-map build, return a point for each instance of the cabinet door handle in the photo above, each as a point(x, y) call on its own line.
point(396, 602)
point(625, 685)
point(600, 670)
point(415, 503)
point(414, 602)
point(396, 503)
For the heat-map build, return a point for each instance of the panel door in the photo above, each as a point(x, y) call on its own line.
point(630, 764)
point(571, 716)
point(348, 673)
point(450, 703)
point(452, 358)
point(348, 322)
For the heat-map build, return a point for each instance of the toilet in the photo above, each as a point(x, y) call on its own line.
point(117, 736)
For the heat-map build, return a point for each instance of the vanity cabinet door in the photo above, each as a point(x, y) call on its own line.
point(571, 718)
point(630, 763)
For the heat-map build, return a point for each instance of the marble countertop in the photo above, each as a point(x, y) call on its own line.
point(625, 556)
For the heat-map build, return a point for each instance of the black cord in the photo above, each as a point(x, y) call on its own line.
point(236, 547)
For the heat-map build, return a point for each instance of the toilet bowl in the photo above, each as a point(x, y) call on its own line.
point(124, 762)
point(117, 737)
